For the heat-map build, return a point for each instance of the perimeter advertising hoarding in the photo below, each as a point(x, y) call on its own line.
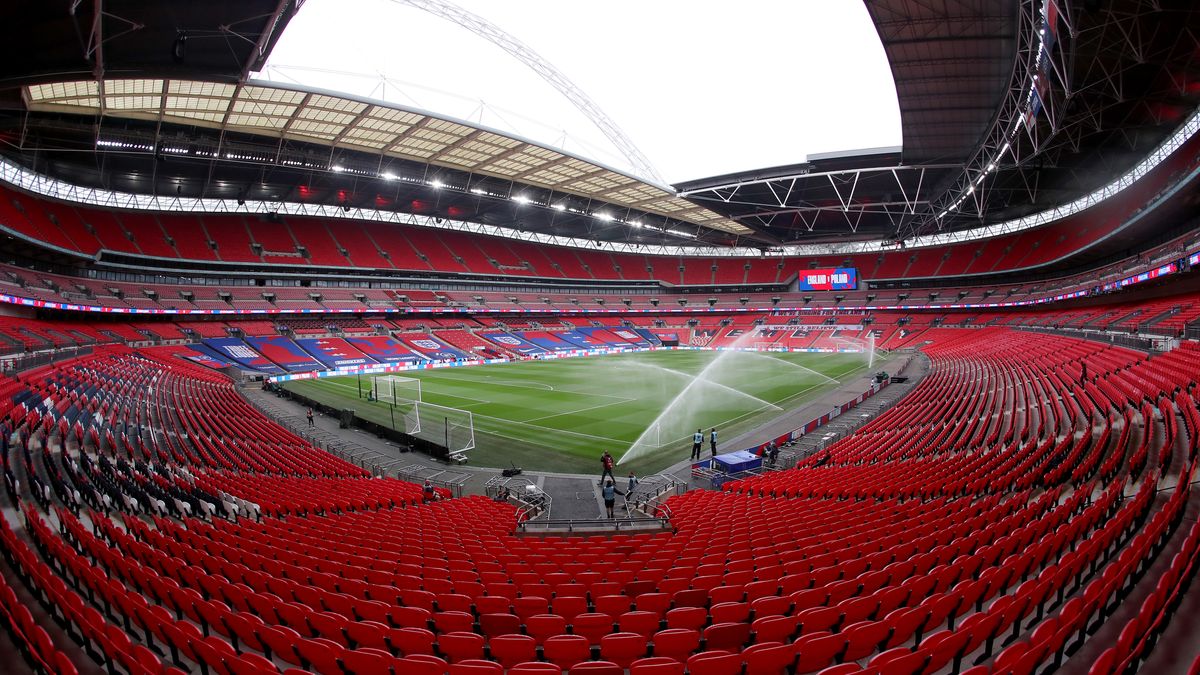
point(829, 279)
point(1155, 273)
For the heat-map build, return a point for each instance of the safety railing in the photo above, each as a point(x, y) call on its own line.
point(651, 492)
point(533, 502)
point(19, 361)
point(454, 481)
point(594, 525)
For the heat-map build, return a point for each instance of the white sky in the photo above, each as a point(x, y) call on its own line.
point(702, 87)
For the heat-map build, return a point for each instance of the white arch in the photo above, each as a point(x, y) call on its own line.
point(523, 53)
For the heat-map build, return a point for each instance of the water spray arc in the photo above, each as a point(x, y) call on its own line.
point(868, 346)
point(678, 406)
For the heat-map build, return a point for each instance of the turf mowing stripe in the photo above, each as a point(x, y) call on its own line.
point(488, 379)
point(507, 421)
point(575, 422)
point(574, 412)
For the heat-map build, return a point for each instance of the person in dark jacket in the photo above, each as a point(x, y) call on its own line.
point(610, 492)
point(607, 463)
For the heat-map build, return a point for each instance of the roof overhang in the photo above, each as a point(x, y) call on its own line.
point(365, 125)
point(214, 39)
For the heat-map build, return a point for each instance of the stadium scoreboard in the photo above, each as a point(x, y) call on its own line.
point(829, 279)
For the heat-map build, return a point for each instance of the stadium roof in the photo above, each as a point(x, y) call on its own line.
point(951, 62)
point(145, 126)
point(1118, 80)
point(216, 39)
point(268, 109)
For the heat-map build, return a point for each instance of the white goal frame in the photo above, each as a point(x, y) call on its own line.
point(433, 422)
point(383, 388)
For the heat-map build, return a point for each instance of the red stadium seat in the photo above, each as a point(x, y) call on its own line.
point(510, 650)
point(676, 643)
point(769, 658)
point(714, 663)
point(566, 650)
point(623, 648)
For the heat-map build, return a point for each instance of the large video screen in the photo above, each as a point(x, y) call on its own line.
point(829, 279)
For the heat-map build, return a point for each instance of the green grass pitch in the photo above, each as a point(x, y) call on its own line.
point(560, 414)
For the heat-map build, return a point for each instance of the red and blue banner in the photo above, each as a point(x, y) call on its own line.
point(434, 349)
point(242, 354)
point(581, 340)
point(609, 336)
point(514, 342)
point(550, 341)
point(1050, 36)
point(334, 352)
point(630, 336)
point(384, 349)
point(205, 360)
point(649, 336)
point(284, 352)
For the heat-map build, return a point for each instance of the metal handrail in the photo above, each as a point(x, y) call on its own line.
point(540, 508)
point(591, 524)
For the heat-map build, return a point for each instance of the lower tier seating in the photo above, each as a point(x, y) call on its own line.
point(992, 521)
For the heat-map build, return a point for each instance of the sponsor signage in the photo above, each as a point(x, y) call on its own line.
point(1148, 275)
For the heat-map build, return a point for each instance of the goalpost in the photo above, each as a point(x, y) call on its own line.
point(452, 427)
point(395, 389)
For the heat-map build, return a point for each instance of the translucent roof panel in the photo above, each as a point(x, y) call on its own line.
point(267, 109)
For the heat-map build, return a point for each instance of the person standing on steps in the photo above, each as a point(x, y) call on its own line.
point(697, 441)
point(712, 441)
point(606, 461)
point(309, 414)
point(610, 492)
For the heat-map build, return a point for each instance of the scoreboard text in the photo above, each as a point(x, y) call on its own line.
point(831, 279)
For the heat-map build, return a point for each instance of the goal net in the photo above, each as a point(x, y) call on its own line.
point(395, 389)
point(453, 427)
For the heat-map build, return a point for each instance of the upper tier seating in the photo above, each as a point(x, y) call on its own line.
point(295, 241)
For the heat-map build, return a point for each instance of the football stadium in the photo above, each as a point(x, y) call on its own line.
point(499, 337)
